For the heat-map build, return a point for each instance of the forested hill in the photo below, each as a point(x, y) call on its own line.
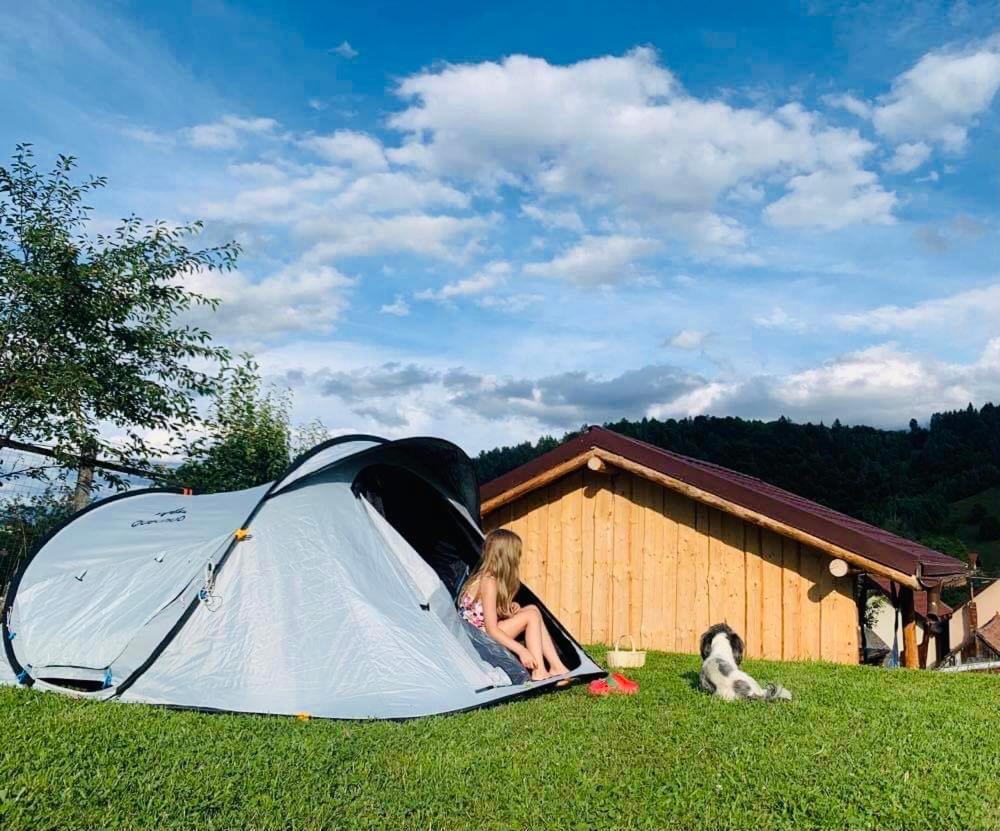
point(904, 480)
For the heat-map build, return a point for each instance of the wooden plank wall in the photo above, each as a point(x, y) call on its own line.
point(617, 554)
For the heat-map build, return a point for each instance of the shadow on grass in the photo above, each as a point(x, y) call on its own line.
point(692, 678)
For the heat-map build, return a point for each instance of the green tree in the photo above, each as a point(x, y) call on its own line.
point(92, 340)
point(247, 436)
point(24, 522)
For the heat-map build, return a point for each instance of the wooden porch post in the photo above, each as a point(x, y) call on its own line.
point(935, 624)
point(911, 658)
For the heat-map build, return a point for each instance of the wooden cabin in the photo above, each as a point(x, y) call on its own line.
point(624, 538)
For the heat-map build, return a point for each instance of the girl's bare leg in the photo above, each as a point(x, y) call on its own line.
point(556, 666)
point(530, 623)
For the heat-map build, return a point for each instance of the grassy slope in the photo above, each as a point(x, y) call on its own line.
point(989, 550)
point(858, 748)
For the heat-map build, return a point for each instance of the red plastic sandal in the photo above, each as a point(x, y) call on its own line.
point(626, 685)
point(616, 684)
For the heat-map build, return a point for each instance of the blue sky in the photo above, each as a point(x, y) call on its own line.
point(489, 224)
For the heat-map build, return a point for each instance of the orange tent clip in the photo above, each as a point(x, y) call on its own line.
point(241, 534)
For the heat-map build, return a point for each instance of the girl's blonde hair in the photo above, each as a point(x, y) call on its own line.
point(501, 559)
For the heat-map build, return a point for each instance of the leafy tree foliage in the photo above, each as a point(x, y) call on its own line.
point(91, 341)
point(247, 437)
point(25, 522)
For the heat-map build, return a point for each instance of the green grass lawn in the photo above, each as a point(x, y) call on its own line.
point(857, 748)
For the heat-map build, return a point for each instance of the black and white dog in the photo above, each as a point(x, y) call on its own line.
point(721, 656)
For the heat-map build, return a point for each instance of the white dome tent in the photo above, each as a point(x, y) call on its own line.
point(329, 592)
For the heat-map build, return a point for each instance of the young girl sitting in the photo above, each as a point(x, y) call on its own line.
point(487, 601)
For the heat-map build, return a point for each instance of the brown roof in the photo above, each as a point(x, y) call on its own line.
point(989, 633)
point(919, 599)
point(753, 494)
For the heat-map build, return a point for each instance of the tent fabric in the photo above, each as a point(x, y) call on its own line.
point(325, 607)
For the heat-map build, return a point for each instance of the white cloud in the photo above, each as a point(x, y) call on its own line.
point(942, 96)
point(350, 147)
point(851, 103)
point(779, 319)
point(883, 386)
point(597, 260)
point(397, 191)
point(345, 50)
point(259, 172)
point(908, 157)
point(881, 378)
point(509, 303)
point(565, 219)
point(228, 131)
point(440, 237)
point(614, 131)
point(833, 199)
point(397, 308)
point(687, 339)
point(148, 137)
point(492, 276)
point(297, 299)
point(942, 313)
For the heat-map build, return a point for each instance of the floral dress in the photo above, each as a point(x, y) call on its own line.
point(472, 610)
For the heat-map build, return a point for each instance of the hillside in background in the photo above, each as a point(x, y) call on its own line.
point(923, 482)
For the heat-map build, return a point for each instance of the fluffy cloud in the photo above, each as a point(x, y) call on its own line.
point(596, 260)
point(349, 147)
point(565, 219)
point(778, 318)
point(832, 199)
point(490, 278)
point(942, 96)
point(851, 103)
point(362, 235)
point(297, 299)
point(563, 400)
point(395, 192)
point(397, 308)
point(615, 130)
point(227, 133)
point(882, 385)
point(345, 50)
point(908, 157)
point(687, 339)
point(942, 314)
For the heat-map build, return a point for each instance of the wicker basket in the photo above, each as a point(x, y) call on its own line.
point(619, 658)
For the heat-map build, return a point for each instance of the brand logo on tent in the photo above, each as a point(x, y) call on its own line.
point(176, 515)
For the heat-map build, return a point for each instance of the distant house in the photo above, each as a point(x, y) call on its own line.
point(968, 616)
point(979, 651)
point(622, 537)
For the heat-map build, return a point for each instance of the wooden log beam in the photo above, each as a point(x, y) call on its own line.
point(911, 657)
point(597, 464)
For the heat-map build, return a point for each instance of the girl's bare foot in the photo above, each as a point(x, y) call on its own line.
point(539, 675)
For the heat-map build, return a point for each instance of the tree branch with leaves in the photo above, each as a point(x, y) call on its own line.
point(92, 338)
